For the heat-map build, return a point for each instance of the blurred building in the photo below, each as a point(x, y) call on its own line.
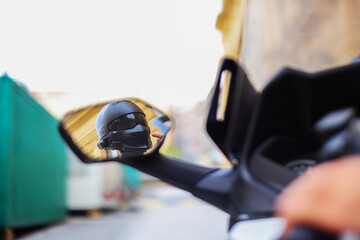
point(191, 138)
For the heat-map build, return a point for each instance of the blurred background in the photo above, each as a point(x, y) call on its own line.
point(59, 55)
point(157, 50)
point(69, 54)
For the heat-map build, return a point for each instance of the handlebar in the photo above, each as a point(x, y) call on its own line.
point(338, 134)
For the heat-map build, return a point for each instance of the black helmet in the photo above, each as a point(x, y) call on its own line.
point(122, 125)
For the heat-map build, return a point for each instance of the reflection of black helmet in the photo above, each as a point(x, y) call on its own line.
point(122, 125)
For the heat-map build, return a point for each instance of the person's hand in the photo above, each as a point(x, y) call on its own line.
point(326, 197)
point(160, 137)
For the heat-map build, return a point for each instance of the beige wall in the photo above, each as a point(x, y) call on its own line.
point(308, 34)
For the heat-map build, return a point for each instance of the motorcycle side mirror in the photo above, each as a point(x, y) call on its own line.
point(78, 130)
point(138, 130)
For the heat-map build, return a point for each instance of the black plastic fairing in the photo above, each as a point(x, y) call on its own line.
point(288, 108)
point(229, 134)
point(294, 100)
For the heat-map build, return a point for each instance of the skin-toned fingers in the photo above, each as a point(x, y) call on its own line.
point(157, 135)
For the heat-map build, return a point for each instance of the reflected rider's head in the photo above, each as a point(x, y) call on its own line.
point(122, 126)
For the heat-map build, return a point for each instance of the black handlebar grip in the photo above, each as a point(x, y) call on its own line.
point(309, 233)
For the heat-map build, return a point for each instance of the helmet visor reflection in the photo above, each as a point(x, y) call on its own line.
point(128, 121)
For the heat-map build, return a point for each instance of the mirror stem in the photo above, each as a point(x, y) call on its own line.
point(175, 172)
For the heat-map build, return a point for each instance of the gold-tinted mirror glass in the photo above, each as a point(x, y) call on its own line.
point(118, 128)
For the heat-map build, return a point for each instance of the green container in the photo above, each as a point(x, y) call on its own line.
point(32, 161)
